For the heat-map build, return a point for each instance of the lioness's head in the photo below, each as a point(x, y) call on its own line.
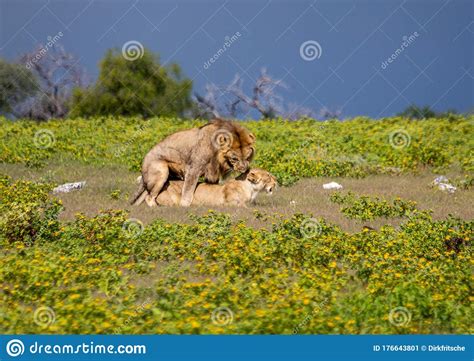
point(235, 144)
point(261, 179)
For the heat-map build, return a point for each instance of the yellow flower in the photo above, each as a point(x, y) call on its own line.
point(195, 324)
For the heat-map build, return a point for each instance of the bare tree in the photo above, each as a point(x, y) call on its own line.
point(326, 113)
point(231, 100)
point(58, 73)
point(207, 105)
point(264, 98)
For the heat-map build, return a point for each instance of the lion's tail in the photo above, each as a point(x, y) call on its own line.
point(140, 194)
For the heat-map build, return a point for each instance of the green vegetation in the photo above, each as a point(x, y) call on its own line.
point(367, 208)
point(290, 150)
point(16, 84)
point(141, 87)
point(110, 273)
point(425, 112)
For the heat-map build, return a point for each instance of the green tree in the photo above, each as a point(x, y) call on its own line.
point(134, 87)
point(16, 84)
point(425, 112)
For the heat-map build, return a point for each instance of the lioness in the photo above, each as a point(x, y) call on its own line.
point(236, 192)
point(211, 151)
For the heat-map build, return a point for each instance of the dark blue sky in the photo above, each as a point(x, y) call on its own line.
point(355, 37)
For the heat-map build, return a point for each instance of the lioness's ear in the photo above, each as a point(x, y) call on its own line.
point(252, 177)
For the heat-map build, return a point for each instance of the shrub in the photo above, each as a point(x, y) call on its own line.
point(367, 208)
point(28, 212)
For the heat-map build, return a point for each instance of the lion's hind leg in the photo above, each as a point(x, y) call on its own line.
point(140, 194)
point(141, 198)
point(156, 176)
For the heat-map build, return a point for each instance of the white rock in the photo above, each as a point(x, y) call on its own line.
point(446, 187)
point(440, 179)
point(332, 185)
point(67, 187)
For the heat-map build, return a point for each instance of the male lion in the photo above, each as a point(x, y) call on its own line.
point(236, 192)
point(211, 151)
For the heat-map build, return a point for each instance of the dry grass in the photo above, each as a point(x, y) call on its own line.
point(307, 196)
